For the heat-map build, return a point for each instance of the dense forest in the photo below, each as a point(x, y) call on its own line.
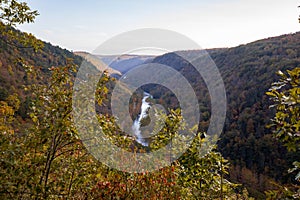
point(248, 72)
point(43, 157)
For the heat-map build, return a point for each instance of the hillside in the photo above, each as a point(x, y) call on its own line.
point(96, 62)
point(124, 63)
point(13, 59)
point(248, 71)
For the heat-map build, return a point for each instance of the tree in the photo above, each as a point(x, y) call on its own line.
point(13, 13)
point(203, 176)
point(285, 95)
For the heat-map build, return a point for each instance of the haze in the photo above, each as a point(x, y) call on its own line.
point(83, 25)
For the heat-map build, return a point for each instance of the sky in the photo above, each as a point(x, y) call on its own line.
point(83, 25)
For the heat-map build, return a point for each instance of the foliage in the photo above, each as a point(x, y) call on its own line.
point(156, 185)
point(200, 176)
point(46, 160)
point(203, 176)
point(12, 13)
point(285, 95)
point(282, 193)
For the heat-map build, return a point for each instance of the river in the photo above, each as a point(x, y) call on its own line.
point(136, 126)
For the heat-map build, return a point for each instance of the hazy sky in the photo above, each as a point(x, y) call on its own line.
point(85, 24)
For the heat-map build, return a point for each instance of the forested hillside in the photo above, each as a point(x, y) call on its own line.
point(248, 71)
point(15, 58)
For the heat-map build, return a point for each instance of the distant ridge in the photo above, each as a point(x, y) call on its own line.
point(97, 62)
point(126, 62)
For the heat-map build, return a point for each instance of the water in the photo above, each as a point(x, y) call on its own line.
point(136, 126)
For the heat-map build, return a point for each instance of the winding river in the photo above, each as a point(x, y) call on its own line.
point(136, 126)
